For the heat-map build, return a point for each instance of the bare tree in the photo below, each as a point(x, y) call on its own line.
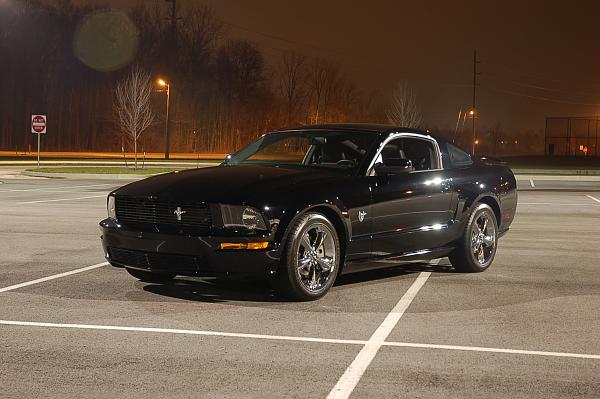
point(132, 106)
point(403, 110)
point(291, 76)
point(322, 77)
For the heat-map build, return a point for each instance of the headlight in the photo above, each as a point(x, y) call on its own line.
point(242, 216)
point(110, 207)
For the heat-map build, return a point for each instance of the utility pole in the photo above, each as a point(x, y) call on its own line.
point(173, 21)
point(474, 112)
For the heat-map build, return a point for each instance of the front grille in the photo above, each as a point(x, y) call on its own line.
point(161, 216)
point(153, 261)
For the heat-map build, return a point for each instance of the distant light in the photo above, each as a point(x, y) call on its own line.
point(472, 112)
point(477, 141)
point(161, 82)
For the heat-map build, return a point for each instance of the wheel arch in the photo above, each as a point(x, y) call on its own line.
point(334, 215)
point(493, 203)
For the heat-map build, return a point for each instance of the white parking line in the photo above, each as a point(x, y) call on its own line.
point(184, 332)
point(53, 277)
point(293, 338)
point(551, 203)
point(51, 188)
point(348, 381)
point(532, 183)
point(593, 198)
point(493, 350)
point(61, 199)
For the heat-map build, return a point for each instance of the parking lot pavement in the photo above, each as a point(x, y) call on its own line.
point(427, 373)
point(48, 227)
point(116, 364)
point(528, 327)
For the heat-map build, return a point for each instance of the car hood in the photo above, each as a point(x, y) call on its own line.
point(230, 184)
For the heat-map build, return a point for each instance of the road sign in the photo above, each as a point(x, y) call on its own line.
point(38, 124)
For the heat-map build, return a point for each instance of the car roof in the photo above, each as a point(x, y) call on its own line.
point(361, 127)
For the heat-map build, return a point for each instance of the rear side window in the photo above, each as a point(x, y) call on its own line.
point(457, 157)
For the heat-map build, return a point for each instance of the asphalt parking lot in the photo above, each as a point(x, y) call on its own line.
point(71, 326)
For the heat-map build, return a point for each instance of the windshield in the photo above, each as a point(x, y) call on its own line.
point(331, 149)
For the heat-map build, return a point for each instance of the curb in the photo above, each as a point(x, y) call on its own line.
point(557, 172)
point(94, 176)
point(107, 176)
point(545, 177)
point(45, 163)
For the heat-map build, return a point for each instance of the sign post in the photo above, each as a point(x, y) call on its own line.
point(38, 126)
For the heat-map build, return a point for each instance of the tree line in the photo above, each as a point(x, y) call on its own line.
point(66, 60)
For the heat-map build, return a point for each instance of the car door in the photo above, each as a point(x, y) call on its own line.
point(410, 210)
point(358, 202)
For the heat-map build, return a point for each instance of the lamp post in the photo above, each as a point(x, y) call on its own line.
point(474, 140)
point(167, 87)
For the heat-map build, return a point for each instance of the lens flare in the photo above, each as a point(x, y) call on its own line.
point(106, 40)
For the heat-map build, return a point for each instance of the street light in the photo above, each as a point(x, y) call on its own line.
point(474, 139)
point(163, 83)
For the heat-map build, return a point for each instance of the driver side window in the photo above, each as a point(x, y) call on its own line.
point(420, 152)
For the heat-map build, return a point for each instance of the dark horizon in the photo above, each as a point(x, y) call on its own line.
point(537, 57)
point(535, 61)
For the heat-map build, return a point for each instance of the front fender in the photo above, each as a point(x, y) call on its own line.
point(335, 212)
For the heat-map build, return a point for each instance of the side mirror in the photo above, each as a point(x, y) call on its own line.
point(394, 166)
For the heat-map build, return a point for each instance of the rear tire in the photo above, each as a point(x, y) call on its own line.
point(311, 259)
point(150, 277)
point(476, 249)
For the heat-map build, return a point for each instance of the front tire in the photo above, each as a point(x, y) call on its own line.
point(311, 259)
point(150, 277)
point(477, 247)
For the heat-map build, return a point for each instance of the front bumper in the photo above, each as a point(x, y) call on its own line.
point(183, 254)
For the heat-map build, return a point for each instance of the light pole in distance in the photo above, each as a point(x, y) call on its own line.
point(167, 87)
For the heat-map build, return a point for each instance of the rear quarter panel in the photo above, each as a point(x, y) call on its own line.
point(492, 183)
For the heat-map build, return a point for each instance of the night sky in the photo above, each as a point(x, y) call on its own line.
point(538, 58)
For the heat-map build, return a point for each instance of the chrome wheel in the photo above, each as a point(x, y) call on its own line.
point(483, 238)
point(317, 257)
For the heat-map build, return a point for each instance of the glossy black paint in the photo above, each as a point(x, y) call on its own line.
point(409, 217)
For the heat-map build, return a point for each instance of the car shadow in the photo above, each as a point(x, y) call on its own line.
point(212, 291)
point(216, 291)
point(391, 272)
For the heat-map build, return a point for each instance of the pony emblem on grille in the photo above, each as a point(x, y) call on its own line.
point(179, 212)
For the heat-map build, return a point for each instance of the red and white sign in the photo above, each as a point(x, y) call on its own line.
point(38, 123)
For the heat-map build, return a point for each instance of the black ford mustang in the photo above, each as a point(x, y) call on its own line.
point(302, 206)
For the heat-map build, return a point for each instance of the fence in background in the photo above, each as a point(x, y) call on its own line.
point(574, 136)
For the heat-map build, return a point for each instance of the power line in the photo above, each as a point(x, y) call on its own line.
point(496, 65)
point(537, 87)
point(514, 93)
